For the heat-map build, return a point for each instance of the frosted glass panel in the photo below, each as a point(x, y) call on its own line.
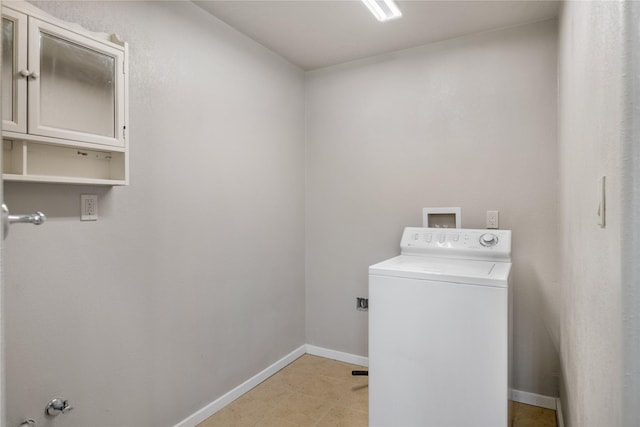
point(7, 69)
point(77, 87)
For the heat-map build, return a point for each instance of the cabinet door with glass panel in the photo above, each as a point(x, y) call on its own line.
point(75, 86)
point(14, 60)
point(74, 82)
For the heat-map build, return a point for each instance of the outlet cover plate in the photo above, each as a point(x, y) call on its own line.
point(88, 207)
point(493, 220)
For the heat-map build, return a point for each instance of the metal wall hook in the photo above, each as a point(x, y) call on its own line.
point(57, 406)
point(8, 219)
point(34, 218)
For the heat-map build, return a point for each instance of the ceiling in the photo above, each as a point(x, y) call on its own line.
point(319, 33)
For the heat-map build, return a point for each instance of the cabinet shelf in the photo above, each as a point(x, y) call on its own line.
point(8, 135)
point(9, 177)
point(30, 161)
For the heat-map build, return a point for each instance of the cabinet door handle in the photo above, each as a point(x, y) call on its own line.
point(28, 74)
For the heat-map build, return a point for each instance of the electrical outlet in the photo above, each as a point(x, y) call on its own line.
point(362, 304)
point(88, 207)
point(492, 219)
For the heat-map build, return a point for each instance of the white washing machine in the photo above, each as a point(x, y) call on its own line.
point(439, 330)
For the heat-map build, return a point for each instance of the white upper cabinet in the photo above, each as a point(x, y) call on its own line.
point(62, 86)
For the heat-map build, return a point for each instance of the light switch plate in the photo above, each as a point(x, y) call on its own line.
point(602, 206)
point(88, 207)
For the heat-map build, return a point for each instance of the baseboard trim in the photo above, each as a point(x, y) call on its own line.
point(337, 355)
point(559, 415)
point(235, 393)
point(213, 407)
point(533, 399)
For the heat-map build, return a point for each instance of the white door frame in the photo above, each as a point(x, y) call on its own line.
point(3, 422)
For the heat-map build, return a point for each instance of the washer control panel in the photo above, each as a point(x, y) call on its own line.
point(457, 243)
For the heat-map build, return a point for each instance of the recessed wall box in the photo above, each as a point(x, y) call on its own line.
point(442, 217)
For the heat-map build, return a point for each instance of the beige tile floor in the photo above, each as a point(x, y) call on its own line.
point(319, 392)
point(532, 416)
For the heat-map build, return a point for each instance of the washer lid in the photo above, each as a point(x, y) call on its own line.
point(473, 272)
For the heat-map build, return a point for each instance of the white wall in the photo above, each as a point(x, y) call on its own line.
point(192, 280)
point(598, 136)
point(469, 122)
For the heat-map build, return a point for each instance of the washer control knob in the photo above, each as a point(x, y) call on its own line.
point(488, 239)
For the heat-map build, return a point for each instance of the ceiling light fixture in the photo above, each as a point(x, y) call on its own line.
point(383, 10)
